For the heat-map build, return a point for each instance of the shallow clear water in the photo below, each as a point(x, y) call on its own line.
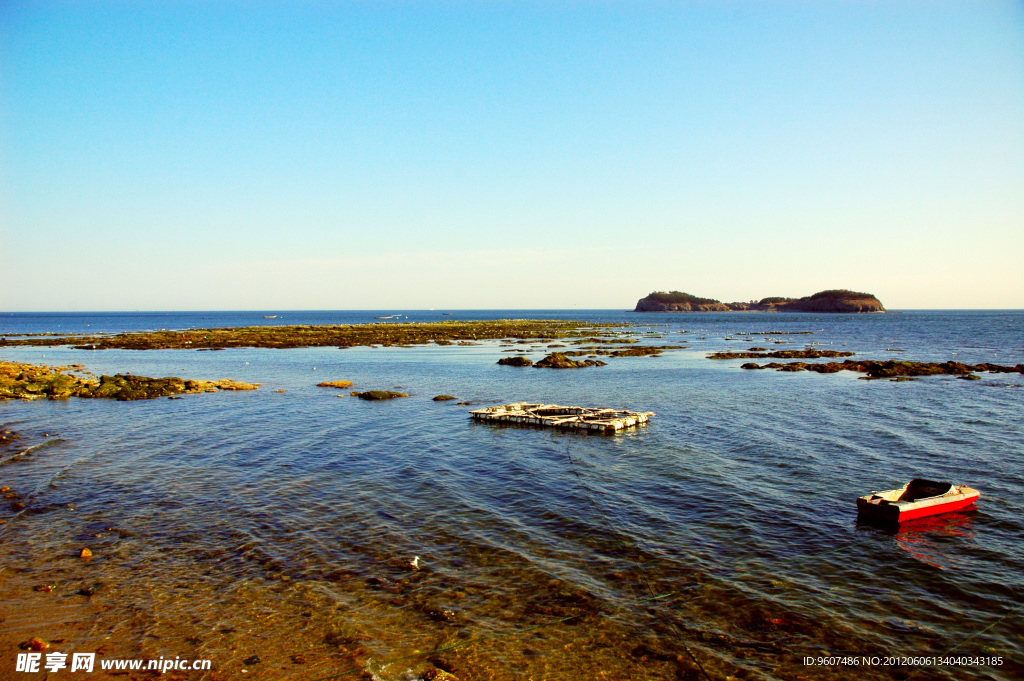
point(279, 524)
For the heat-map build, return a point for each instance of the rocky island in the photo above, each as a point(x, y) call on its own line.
point(832, 300)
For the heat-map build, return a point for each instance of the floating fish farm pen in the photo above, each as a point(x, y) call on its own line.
point(593, 419)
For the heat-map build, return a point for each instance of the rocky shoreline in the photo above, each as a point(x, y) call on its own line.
point(830, 301)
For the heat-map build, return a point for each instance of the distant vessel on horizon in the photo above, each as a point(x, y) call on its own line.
point(270, 316)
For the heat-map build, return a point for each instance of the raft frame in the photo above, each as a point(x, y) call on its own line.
point(591, 419)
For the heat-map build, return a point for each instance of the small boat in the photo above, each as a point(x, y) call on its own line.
point(917, 499)
point(270, 316)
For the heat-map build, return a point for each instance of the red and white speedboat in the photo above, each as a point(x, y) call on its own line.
point(917, 499)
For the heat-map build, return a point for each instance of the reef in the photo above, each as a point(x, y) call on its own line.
point(378, 395)
point(558, 360)
point(808, 353)
point(893, 369)
point(832, 300)
point(340, 335)
point(515, 361)
point(335, 384)
point(31, 382)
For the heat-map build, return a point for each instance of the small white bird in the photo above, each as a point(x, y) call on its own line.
point(415, 563)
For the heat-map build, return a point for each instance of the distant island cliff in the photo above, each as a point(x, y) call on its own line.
point(834, 300)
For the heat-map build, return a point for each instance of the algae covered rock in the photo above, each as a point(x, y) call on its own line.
point(335, 384)
point(558, 360)
point(443, 398)
point(228, 384)
point(378, 395)
point(515, 361)
point(30, 381)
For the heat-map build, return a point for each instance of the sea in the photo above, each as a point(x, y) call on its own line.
point(295, 532)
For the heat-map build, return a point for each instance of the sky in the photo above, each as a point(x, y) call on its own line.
point(493, 155)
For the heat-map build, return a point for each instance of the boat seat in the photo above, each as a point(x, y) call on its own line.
point(919, 488)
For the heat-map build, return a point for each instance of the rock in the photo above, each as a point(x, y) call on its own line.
point(809, 353)
point(378, 395)
point(516, 361)
point(335, 384)
point(443, 398)
point(227, 384)
point(436, 674)
point(35, 644)
point(891, 369)
point(642, 351)
point(557, 360)
point(345, 637)
point(28, 381)
point(254, 659)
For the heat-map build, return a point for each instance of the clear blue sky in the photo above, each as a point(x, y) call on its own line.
point(276, 155)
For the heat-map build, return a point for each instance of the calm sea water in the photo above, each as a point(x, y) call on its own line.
point(283, 524)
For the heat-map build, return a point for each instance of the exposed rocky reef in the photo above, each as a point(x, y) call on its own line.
point(515, 361)
point(378, 395)
point(340, 335)
point(892, 368)
point(335, 384)
point(833, 300)
point(634, 351)
point(31, 381)
point(808, 353)
point(558, 360)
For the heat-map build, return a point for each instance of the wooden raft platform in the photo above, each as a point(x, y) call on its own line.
point(593, 419)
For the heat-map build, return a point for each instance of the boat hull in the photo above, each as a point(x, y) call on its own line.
point(894, 506)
